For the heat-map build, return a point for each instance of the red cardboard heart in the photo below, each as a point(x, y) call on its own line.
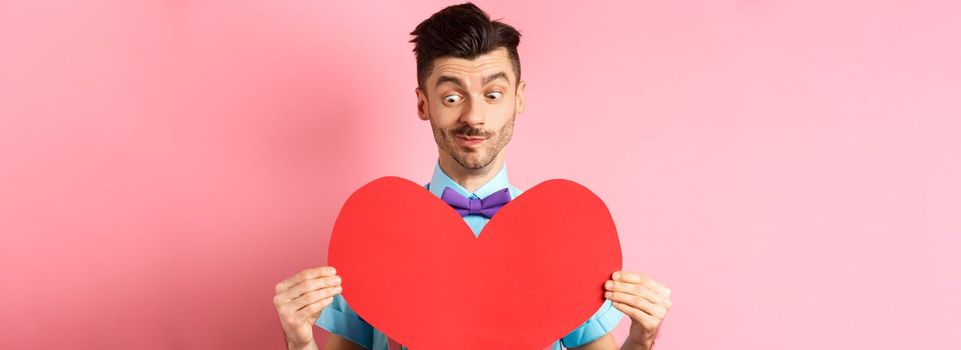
point(412, 268)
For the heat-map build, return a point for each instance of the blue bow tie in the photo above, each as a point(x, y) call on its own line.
point(487, 206)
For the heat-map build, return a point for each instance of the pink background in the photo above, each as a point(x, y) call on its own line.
point(789, 168)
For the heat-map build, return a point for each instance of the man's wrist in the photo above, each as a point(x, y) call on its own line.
point(635, 342)
point(312, 345)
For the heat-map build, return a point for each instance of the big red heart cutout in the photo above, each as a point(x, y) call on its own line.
point(413, 269)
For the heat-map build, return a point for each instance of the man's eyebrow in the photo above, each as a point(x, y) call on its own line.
point(498, 75)
point(448, 79)
point(455, 81)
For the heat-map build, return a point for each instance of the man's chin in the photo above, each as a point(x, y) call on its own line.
point(471, 163)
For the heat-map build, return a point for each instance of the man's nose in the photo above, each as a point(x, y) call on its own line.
point(473, 113)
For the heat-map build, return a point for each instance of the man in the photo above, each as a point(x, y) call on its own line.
point(469, 89)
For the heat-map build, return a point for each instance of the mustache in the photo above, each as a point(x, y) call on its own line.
point(469, 131)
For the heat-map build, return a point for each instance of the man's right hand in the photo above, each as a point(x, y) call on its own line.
point(300, 300)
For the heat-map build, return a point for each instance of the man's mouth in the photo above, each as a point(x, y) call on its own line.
point(470, 141)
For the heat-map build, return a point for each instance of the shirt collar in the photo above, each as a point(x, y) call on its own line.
point(440, 180)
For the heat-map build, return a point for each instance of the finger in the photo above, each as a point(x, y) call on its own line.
point(312, 297)
point(312, 311)
point(647, 321)
point(310, 285)
point(316, 272)
point(637, 289)
point(316, 315)
point(637, 302)
point(631, 277)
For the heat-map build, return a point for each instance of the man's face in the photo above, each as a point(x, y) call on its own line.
point(471, 105)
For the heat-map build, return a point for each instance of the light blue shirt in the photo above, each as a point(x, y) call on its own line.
point(340, 319)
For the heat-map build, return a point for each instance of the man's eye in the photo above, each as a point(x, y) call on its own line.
point(451, 98)
point(494, 95)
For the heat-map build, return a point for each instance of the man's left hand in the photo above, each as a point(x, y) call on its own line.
point(644, 300)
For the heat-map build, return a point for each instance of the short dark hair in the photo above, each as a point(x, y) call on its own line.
point(462, 31)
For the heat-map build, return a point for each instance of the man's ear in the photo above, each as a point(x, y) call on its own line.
point(421, 103)
point(519, 107)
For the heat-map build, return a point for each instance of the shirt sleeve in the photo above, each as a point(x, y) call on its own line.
point(602, 322)
point(340, 319)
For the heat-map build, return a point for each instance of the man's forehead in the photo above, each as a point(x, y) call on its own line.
point(476, 69)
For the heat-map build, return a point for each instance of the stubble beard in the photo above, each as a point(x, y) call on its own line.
point(473, 159)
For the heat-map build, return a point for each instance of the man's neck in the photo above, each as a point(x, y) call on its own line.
point(470, 179)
